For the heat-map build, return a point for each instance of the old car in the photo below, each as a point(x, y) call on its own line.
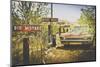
point(76, 36)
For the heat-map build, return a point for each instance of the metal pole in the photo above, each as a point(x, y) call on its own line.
point(51, 10)
point(49, 26)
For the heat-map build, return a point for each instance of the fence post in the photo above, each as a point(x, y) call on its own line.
point(26, 51)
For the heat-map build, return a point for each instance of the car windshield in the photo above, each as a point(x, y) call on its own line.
point(79, 29)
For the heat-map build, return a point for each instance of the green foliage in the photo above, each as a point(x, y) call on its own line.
point(24, 13)
point(28, 12)
point(88, 18)
point(54, 28)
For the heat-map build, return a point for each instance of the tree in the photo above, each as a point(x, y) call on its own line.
point(88, 17)
point(27, 12)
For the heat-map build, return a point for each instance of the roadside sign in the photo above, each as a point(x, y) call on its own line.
point(27, 28)
point(49, 19)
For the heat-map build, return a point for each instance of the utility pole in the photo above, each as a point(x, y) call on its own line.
point(49, 26)
point(51, 10)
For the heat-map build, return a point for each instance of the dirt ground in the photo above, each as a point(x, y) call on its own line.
point(56, 55)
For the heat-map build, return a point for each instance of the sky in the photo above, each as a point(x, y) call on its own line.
point(70, 13)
